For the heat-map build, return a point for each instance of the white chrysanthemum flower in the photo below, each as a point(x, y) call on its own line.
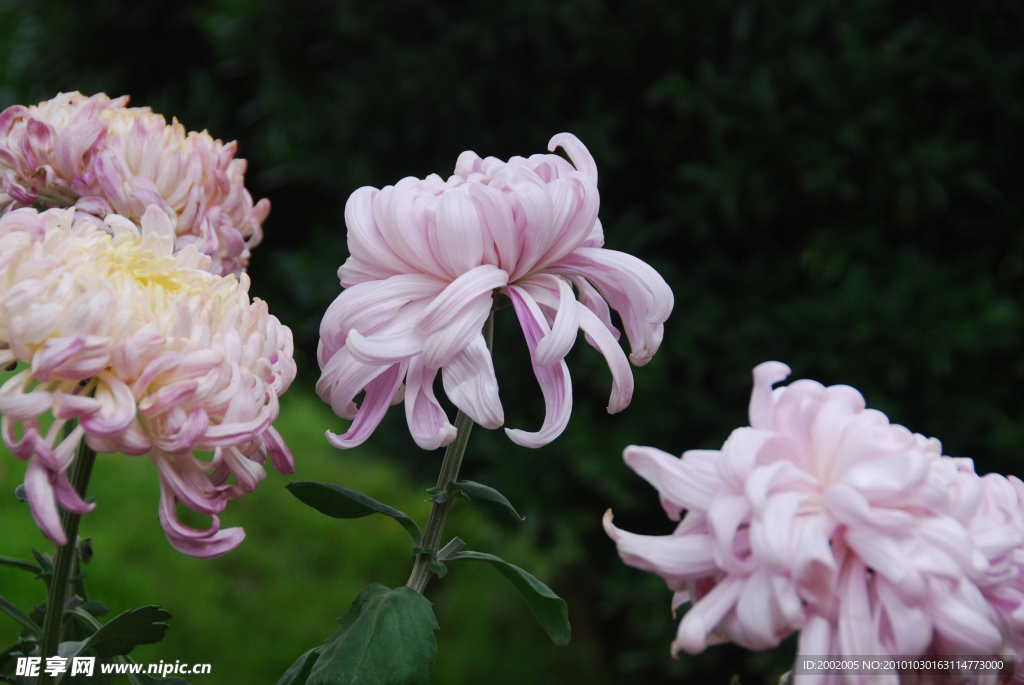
point(150, 352)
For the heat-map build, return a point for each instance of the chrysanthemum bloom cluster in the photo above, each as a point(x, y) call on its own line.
point(427, 256)
point(104, 158)
point(822, 517)
point(151, 353)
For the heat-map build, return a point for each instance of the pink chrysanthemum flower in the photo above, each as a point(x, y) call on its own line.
point(822, 517)
point(427, 256)
point(152, 354)
point(104, 158)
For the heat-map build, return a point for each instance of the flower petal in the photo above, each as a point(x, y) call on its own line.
point(378, 398)
point(42, 503)
point(554, 380)
point(671, 556)
point(631, 287)
point(427, 421)
point(470, 384)
point(460, 237)
point(602, 339)
point(203, 544)
point(555, 345)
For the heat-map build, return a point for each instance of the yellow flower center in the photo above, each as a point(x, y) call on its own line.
point(131, 260)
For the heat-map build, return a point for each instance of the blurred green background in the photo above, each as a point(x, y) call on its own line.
point(836, 185)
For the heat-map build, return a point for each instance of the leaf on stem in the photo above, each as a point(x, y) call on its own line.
point(46, 564)
point(299, 671)
point(22, 647)
point(477, 493)
point(386, 638)
point(95, 608)
point(126, 631)
point(17, 614)
point(550, 609)
point(342, 503)
point(23, 564)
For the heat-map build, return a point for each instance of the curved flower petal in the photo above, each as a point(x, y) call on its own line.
point(378, 398)
point(667, 555)
point(556, 344)
point(578, 153)
point(554, 380)
point(204, 544)
point(630, 287)
point(427, 421)
point(470, 384)
point(42, 502)
point(602, 339)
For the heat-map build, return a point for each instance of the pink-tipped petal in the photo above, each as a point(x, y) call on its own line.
point(42, 502)
point(378, 398)
point(427, 421)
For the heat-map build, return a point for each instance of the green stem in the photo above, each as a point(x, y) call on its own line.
point(421, 573)
point(63, 561)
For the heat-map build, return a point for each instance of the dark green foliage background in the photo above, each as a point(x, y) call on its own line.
point(836, 185)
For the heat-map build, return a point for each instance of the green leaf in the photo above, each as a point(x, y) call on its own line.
point(22, 647)
point(16, 613)
point(438, 568)
point(478, 493)
point(95, 608)
point(550, 609)
point(438, 495)
point(299, 671)
point(45, 563)
point(386, 638)
point(126, 631)
point(23, 564)
point(342, 503)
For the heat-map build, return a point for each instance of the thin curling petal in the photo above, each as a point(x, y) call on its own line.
point(705, 615)
point(557, 343)
point(622, 375)
point(554, 380)
point(43, 503)
point(470, 384)
point(427, 421)
point(203, 544)
point(631, 287)
point(378, 398)
point(577, 152)
point(280, 456)
point(666, 555)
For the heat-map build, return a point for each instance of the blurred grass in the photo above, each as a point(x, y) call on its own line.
point(252, 612)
